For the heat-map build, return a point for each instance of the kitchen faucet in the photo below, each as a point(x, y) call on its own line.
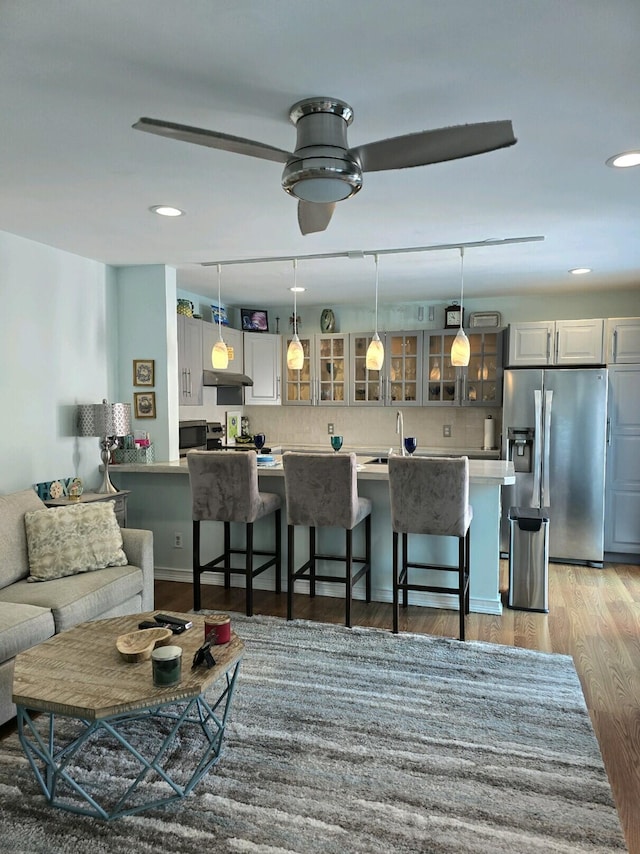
point(400, 430)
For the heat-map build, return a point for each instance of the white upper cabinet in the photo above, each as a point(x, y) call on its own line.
point(561, 342)
point(623, 340)
point(262, 362)
point(189, 361)
point(400, 380)
point(322, 380)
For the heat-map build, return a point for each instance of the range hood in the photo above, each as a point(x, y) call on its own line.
point(225, 378)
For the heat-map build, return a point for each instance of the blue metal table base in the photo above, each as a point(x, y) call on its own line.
point(67, 784)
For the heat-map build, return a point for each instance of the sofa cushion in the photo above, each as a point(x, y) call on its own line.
point(23, 626)
point(13, 541)
point(80, 597)
point(74, 539)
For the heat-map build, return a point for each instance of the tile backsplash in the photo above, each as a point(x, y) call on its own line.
point(373, 427)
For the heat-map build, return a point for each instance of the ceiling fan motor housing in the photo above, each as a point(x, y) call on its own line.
point(321, 168)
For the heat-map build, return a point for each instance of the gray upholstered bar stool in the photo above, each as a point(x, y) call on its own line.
point(322, 492)
point(224, 488)
point(430, 495)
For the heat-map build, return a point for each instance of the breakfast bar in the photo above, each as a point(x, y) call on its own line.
point(160, 500)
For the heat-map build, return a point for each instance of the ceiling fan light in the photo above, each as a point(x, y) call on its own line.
point(295, 354)
point(220, 355)
point(375, 354)
point(460, 350)
point(322, 179)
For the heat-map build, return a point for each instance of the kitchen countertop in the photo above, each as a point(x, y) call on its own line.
point(480, 471)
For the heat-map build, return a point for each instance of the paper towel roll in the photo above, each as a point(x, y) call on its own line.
point(489, 434)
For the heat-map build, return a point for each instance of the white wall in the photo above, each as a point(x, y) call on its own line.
point(57, 337)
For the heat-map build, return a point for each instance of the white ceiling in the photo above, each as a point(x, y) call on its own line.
point(76, 74)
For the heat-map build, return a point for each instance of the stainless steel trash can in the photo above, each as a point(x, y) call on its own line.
point(529, 559)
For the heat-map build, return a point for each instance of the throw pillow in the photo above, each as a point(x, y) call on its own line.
point(68, 540)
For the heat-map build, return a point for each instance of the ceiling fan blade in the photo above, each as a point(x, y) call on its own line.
point(212, 139)
point(434, 146)
point(314, 216)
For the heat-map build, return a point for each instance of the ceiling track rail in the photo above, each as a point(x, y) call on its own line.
point(358, 253)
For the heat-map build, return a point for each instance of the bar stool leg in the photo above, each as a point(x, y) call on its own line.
point(196, 566)
point(290, 580)
point(461, 591)
point(227, 555)
point(396, 603)
point(404, 575)
point(278, 565)
point(312, 562)
point(349, 576)
point(367, 557)
point(249, 568)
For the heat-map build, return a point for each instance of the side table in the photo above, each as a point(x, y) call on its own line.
point(119, 497)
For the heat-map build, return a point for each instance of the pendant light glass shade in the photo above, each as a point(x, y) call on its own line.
point(295, 353)
point(375, 351)
point(219, 353)
point(460, 349)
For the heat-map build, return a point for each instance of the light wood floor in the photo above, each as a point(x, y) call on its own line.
point(594, 616)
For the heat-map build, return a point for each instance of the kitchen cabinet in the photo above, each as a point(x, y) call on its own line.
point(189, 361)
point(622, 491)
point(623, 341)
point(479, 384)
point(323, 378)
point(399, 383)
point(560, 342)
point(263, 363)
point(233, 338)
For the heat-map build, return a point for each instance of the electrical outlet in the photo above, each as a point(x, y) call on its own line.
point(330, 429)
point(446, 431)
point(177, 540)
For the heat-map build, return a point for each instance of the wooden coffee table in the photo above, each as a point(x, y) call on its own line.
point(79, 675)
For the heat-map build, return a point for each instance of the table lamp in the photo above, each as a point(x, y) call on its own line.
point(109, 421)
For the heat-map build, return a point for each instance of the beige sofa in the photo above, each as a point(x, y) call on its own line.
point(31, 612)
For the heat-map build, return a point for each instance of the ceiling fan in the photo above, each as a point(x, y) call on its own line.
point(323, 169)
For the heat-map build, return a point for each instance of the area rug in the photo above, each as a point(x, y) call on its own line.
point(356, 741)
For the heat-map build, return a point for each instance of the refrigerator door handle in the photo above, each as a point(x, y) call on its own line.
point(548, 401)
point(537, 445)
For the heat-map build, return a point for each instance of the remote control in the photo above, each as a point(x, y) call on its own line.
point(173, 621)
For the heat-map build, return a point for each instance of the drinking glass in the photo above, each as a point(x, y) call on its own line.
point(336, 442)
point(258, 440)
point(410, 444)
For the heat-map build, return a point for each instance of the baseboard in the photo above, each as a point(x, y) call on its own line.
point(380, 594)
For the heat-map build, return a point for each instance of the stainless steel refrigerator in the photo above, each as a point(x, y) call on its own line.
point(554, 428)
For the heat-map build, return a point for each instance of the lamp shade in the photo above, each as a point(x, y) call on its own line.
point(375, 354)
point(104, 419)
point(460, 350)
point(220, 355)
point(295, 354)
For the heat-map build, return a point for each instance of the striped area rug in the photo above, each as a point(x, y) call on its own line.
point(356, 741)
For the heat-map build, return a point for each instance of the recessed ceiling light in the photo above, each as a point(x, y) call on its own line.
point(627, 158)
point(166, 210)
point(580, 271)
point(297, 290)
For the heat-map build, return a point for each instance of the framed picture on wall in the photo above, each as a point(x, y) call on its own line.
point(144, 372)
point(254, 320)
point(144, 404)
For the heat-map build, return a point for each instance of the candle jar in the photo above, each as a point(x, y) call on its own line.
point(166, 662)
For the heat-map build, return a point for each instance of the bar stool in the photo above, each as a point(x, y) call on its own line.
point(322, 492)
point(224, 488)
point(430, 495)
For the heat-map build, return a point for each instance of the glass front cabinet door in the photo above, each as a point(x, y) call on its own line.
point(479, 384)
point(400, 380)
point(322, 380)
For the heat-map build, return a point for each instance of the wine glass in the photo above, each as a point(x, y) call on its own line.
point(258, 440)
point(410, 444)
point(336, 442)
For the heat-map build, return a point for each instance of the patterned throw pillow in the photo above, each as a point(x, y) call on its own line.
point(68, 540)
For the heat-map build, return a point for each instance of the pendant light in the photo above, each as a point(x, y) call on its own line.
point(219, 353)
point(375, 351)
point(460, 349)
point(295, 353)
